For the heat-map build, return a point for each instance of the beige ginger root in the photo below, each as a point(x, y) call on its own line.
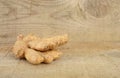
point(49, 43)
point(30, 47)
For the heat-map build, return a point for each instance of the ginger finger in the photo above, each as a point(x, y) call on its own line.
point(48, 44)
point(19, 47)
point(33, 56)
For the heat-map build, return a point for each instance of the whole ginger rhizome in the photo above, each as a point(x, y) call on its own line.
point(36, 50)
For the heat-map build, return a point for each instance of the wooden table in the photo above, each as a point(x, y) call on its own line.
point(93, 50)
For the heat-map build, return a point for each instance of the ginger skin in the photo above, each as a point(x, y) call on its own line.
point(49, 43)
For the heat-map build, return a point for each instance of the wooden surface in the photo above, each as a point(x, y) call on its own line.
point(93, 26)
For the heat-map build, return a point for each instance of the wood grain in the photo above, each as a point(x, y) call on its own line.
point(94, 20)
point(93, 26)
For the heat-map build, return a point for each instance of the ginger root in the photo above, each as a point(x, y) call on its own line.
point(31, 46)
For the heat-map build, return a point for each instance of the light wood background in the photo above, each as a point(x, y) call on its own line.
point(94, 32)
